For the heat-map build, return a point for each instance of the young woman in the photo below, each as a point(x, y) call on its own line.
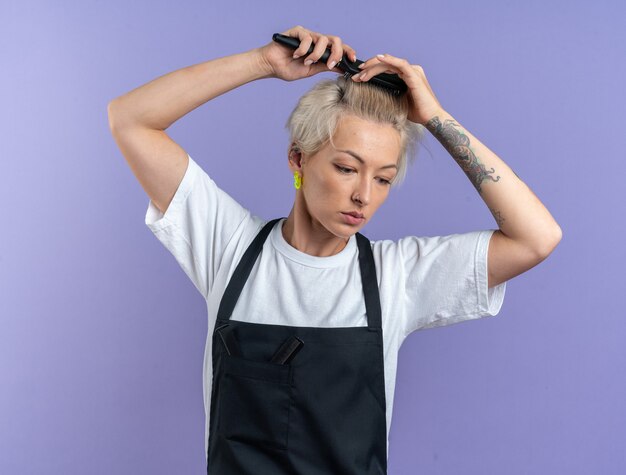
point(306, 315)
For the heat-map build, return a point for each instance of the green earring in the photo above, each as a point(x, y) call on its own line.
point(297, 180)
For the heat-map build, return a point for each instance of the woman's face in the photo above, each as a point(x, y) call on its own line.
point(335, 182)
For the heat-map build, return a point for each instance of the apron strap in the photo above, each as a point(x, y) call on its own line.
point(243, 269)
point(370, 284)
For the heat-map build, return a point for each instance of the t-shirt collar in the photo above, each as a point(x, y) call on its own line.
point(343, 257)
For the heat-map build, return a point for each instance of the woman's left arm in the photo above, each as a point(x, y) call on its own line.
point(528, 233)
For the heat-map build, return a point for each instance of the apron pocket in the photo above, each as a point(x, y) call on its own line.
point(255, 398)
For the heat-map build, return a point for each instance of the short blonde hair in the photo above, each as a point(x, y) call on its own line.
point(314, 120)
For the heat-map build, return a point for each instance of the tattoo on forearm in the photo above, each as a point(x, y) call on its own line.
point(498, 216)
point(457, 144)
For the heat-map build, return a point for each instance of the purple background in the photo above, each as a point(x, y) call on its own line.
point(102, 334)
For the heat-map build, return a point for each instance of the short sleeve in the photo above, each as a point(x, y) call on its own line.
point(197, 226)
point(446, 279)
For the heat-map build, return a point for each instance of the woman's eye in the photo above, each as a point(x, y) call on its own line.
point(346, 171)
point(343, 169)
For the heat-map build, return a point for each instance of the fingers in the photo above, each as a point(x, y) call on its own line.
point(350, 52)
point(320, 47)
point(307, 37)
point(371, 68)
point(399, 63)
point(339, 50)
point(384, 64)
point(336, 52)
point(305, 43)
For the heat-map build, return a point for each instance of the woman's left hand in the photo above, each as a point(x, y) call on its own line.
point(423, 105)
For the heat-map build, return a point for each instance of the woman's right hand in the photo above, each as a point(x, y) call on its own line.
point(280, 61)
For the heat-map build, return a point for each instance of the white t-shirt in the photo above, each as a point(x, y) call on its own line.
point(424, 282)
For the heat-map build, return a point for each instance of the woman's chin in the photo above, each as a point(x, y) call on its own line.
point(345, 231)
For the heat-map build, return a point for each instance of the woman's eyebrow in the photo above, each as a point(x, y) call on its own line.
point(350, 152)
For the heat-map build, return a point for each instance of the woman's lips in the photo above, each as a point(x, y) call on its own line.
point(351, 219)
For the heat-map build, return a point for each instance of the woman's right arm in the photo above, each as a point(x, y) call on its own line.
point(138, 119)
point(162, 101)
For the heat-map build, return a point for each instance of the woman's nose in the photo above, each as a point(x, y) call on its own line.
point(362, 194)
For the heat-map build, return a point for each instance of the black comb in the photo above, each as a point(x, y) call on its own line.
point(287, 350)
point(390, 82)
point(228, 340)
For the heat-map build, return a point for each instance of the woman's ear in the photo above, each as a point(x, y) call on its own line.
point(295, 157)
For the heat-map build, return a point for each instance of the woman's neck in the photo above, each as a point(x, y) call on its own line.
point(310, 237)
